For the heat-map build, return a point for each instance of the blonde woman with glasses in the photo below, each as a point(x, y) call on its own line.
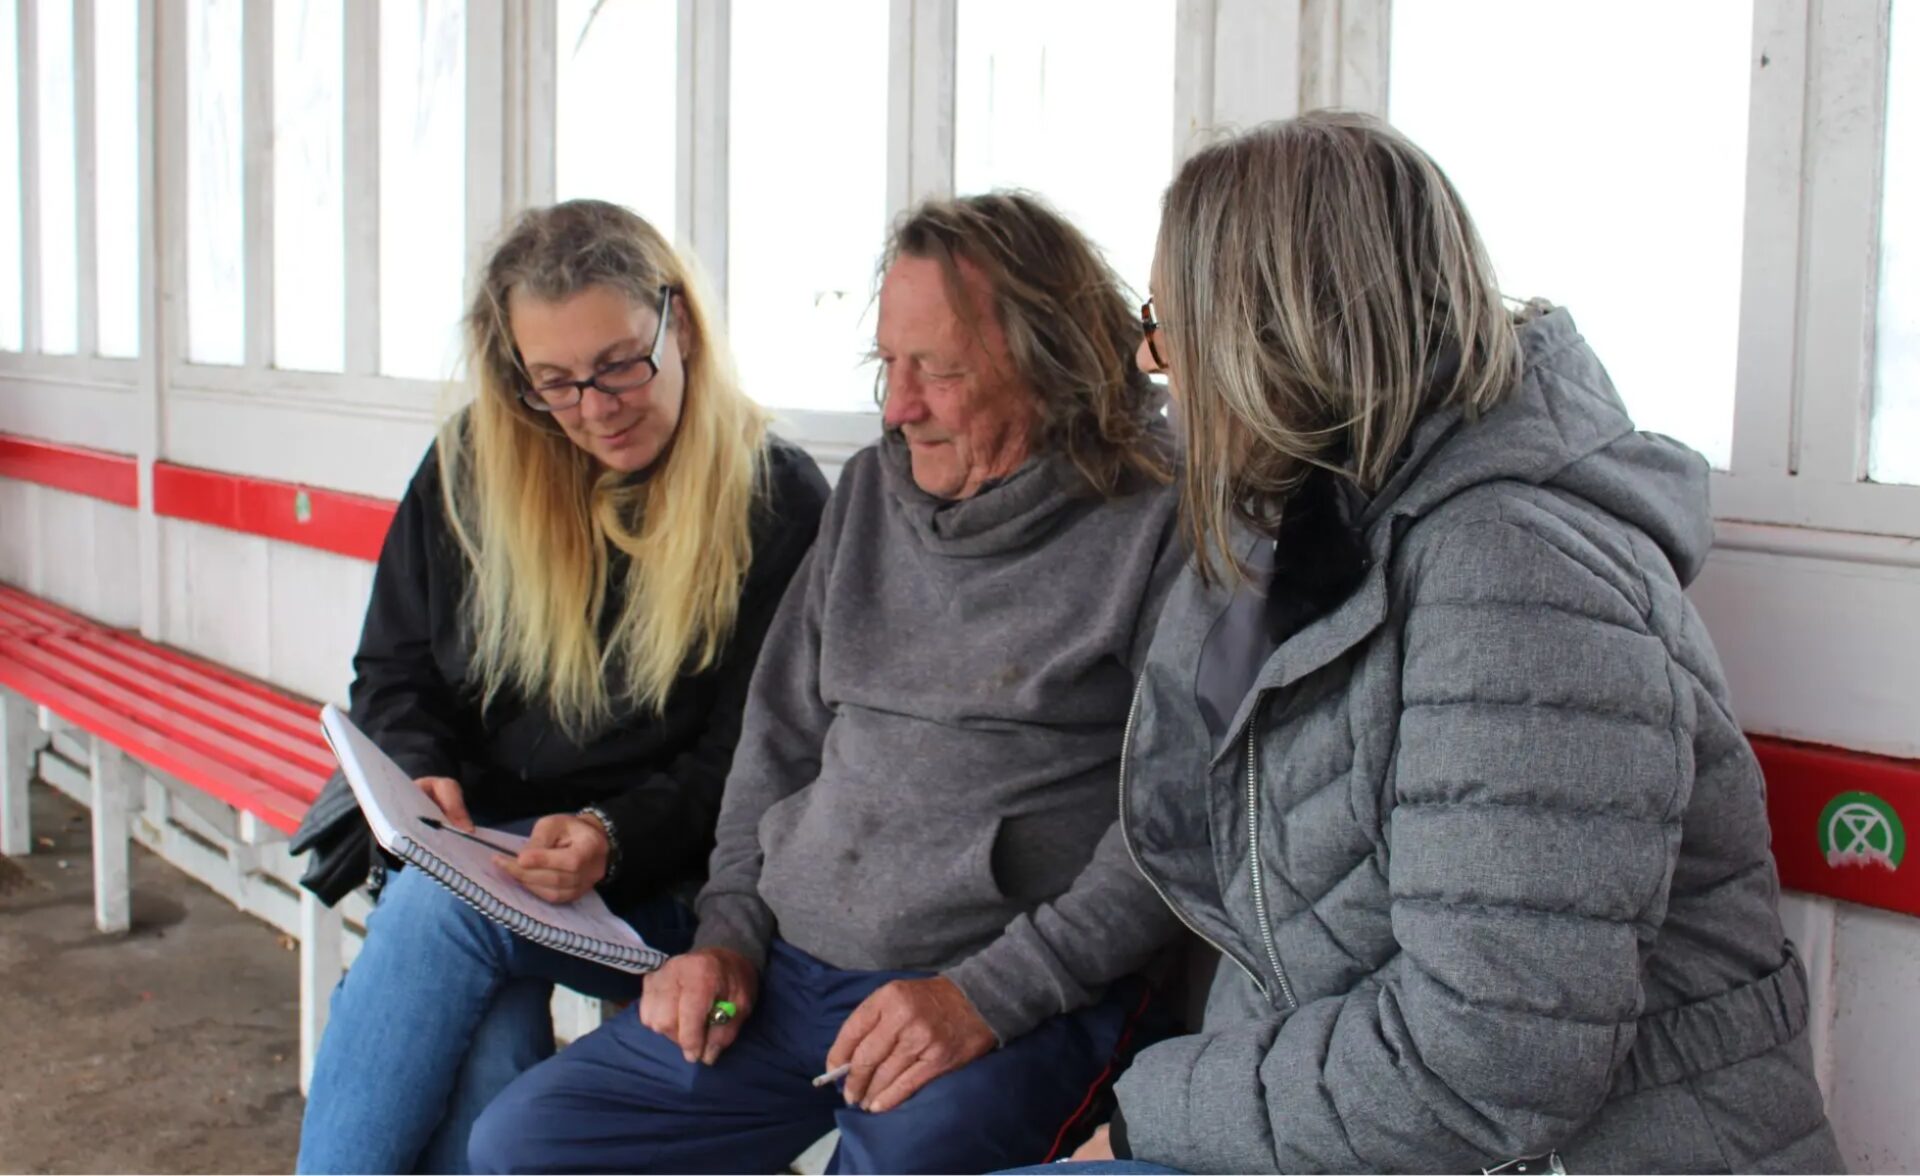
point(1430, 745)
point(563, 624)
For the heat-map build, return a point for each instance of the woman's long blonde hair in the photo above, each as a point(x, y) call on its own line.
point(1324, 291)
point(539, 519)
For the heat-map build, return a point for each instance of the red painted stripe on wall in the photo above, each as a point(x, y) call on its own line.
point(1841, 820)
point(110, 477)
point(329, 520)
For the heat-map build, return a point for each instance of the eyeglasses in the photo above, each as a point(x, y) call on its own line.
point(627, 375)
point(1150, 326)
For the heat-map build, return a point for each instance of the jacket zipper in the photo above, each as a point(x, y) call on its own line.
point(1253, 858)
point(1126, 746)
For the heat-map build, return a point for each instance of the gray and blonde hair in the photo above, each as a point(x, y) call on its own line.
point(1323, 291)
point(1068, 325)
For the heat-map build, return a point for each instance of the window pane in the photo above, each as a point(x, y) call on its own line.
point(615, 128)
point(309, 213)
point(1562, 127)
point(12, 257)
point(59, 230)
point(423, 168)
point(808, 203)
point(1895, 455)
point(116, 141)
point(1040, 105)
point(216, 224)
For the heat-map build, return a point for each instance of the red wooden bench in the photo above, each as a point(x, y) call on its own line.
point(194, 724)
point(248, 745)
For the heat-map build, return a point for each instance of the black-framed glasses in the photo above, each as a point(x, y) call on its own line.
point(626, 375)
point(1150, 326)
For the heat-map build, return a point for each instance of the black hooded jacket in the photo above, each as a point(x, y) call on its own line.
point(657, 777)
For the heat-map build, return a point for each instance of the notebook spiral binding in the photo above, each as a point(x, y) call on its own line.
point(614, 955)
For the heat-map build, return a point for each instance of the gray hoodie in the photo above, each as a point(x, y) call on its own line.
point(1484, 845)
point(925, 776)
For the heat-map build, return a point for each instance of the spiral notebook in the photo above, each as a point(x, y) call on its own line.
point(397, 811)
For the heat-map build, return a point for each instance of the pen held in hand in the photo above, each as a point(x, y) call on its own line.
point(495, 846)
point(834, 1075)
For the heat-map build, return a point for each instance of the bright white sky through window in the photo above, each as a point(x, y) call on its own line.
point(423, 185)
point(808, 187)
point(59, 227)
point(616, 124)
point(309, 196)
point(116, 160)
point(216, 284)
point(1606, 169)
point(12, 324)
point(1895, 455)
point(1072, 99)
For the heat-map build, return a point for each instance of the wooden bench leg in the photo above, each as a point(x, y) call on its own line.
point(113, 784)
point(320, 931)
point(19, 735)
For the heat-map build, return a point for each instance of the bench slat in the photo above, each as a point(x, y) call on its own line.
point(35, 613)
point(302, 725)
point(180, 696)
point(192, 734)
point(303, 712)
point(156, 749)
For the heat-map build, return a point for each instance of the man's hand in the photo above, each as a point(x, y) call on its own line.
point(678, 999)
point(445, 792)
point(1097, 1148)
point(904, 1036)
point(564, 857)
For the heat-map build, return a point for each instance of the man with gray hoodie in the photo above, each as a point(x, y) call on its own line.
point(918, 890)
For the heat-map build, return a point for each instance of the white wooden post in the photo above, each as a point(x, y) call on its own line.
point(319, 971)
point(113, 783)
point(575, 1015)
point(18, 736)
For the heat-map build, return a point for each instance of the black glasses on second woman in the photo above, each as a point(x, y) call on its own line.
point(626, 375)
point(1150, 326)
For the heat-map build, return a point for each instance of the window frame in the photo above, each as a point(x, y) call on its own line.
point(1809, 279)
point(1810, 255)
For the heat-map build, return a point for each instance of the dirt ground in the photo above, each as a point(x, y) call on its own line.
point(172, 1048)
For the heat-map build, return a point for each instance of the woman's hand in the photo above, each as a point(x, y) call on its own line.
point(677, 1002)
point(1097, 1148)
point(445, 792)
point(564, 857)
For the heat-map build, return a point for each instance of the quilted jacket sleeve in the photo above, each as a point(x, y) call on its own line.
point(1542, 766)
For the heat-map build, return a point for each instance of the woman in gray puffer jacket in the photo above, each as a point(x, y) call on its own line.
point(1448, 773)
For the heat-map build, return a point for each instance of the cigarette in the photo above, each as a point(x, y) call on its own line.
point(834, 1075)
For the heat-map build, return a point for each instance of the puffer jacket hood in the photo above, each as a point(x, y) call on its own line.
point(1564, 427)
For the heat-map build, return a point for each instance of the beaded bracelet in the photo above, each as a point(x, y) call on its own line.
point(595, 813)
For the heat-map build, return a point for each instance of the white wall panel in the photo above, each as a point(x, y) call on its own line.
point(73, 412)
point(366, 451)
point(1876, 1040)
point(19, 533)
point(66, 574)
point(317, 601)
point(1818, 649)
point(219, 606)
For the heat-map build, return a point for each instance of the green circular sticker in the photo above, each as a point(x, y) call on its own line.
point(1859, 829)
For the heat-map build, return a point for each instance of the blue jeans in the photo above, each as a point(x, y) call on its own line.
point(441, 1010)
point(624, 1100)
